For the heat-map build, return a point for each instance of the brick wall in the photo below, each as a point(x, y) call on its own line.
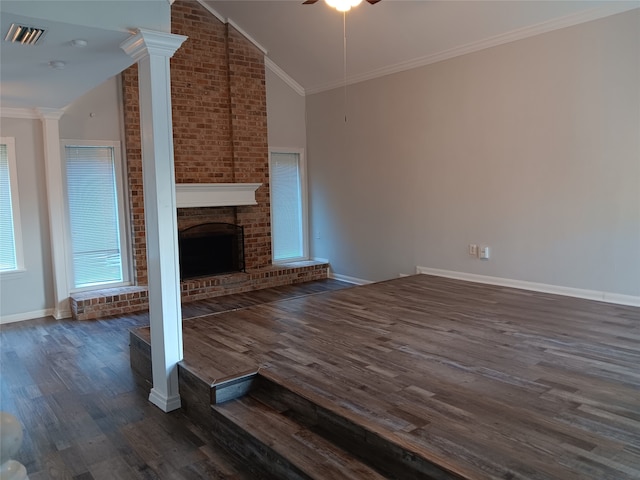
point(219, 112)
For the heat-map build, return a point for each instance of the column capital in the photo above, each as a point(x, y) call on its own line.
point(50, 113)
point(148, 42)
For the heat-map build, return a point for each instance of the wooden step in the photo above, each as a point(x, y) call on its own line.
point(260, 435)
point(359, 436)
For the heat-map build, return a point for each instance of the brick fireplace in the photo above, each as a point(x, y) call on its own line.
point(220, 136)
point(219, 112)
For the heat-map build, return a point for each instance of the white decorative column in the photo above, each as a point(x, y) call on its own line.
point(56, 203)
point(152, 51)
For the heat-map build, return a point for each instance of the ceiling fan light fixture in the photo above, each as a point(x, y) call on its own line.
point(343, 5)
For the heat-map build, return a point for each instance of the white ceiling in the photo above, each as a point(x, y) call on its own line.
point(27, 81)
point(304, 43)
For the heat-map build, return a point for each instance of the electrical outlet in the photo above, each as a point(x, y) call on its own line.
point(484, 253)
point(473, 249)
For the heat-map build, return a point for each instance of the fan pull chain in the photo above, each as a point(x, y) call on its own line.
point(344, 60)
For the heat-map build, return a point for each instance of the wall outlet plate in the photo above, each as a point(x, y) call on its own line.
point(473, 249)
point(484, 253)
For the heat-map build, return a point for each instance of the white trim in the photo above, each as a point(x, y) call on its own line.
point(21, 317)
point(28, 113)
point(56, 206)
point(6, 274)
point(152, 51)
point(216, 194)
point(247, 36)
point(267, 61)
point(164, 402)
point(59, 313)
point(321, 260)
point(608, 297)
point(346, 278)
point(302, 170)
point(507, 37)
point(150, 42)
point(299, 89)
point(228, 21)
point(45, 113)
point(123, 216)
point(12, 162)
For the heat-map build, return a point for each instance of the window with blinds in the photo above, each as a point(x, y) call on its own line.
point(10, 241)
point(288, 213)
point(95, 219)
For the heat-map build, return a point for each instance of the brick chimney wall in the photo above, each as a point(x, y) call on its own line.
point(218, 97)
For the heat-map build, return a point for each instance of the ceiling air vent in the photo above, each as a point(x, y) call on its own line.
point(23, 34)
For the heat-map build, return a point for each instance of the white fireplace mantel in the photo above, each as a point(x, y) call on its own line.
point(216, 194)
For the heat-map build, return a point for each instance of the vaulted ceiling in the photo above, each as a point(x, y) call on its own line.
point(304, 43)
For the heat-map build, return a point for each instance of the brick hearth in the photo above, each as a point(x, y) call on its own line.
point(123, 300)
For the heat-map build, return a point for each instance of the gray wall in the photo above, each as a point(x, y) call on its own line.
point(531, 148)
point(285, 114)
point(30, 290)
point(30, 294)
point(96, 115)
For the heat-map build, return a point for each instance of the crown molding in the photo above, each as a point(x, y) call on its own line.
point(284, 77)
point(501, 39)
point(50, 113)
point(247, 36)
point(28, 113)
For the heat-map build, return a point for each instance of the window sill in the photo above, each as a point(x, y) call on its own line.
point(12, 273)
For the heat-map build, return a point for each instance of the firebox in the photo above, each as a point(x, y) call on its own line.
point(211, 249)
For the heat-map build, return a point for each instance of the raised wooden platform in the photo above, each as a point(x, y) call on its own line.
point(476, 381)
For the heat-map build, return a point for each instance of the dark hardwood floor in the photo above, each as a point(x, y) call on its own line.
point(71, 386)
point(491, 382)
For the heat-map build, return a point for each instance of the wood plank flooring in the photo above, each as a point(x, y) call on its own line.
point(501, 383)
point(496, 383)
point(71, 386)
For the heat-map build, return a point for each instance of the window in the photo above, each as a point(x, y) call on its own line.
point(98, 253)
point(288, 205)
point(10, 233)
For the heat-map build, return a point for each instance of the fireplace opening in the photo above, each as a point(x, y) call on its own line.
point(211, 249)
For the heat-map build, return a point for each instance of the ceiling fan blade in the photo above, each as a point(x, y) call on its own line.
point(373, 2)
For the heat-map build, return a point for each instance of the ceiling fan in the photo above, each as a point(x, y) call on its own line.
point(341, 5)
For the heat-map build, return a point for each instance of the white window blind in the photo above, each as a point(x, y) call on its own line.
point(93, 215)
point(8, 257)
point(286, 206)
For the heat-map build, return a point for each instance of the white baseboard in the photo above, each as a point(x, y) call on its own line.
point(345, 278)
point(20, 317)
point(608, 297)
point(60, 314)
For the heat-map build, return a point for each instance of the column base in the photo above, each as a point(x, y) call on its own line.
point(166, 404)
